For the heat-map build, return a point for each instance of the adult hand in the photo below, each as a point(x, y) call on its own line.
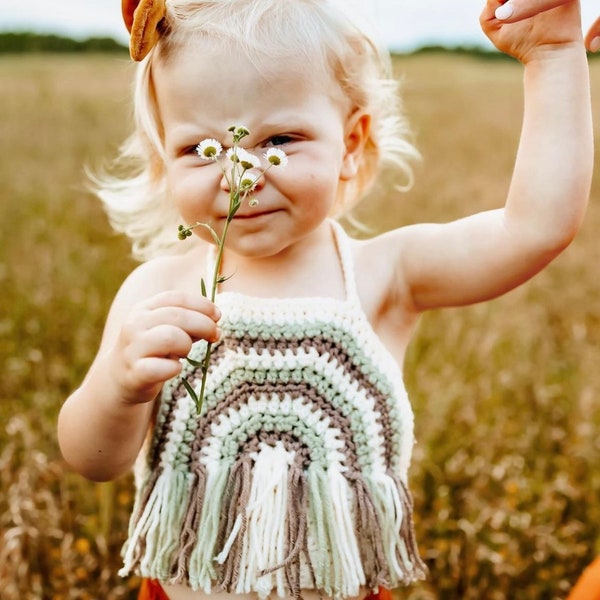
point(516, 10)
point(533, 37)
point(592, 39)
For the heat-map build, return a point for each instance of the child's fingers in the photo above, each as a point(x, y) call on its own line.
point(516, 10)
point(163, 340)
point(147, 357)
point(186, 300)
point(193, 314)
point(171, 340)
point(156, 335)
point(196, 323)
point(155, 370)
point(163, 332)
point(592, 39)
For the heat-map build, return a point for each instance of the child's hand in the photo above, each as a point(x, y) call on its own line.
point(553, 24)
point(154, 337)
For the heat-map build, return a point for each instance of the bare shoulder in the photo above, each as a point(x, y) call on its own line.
point(382, 288)
point(173, 272)
point(155, 276)
point(181, 272)
point(378, 268)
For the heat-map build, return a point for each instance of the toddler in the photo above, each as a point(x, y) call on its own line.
point(292, 479)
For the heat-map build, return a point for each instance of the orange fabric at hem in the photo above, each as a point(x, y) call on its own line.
point(382, 594)
point(588, 585)
point(151, 590)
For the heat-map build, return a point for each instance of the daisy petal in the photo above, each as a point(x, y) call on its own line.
point(209, 149)
point(276, 157)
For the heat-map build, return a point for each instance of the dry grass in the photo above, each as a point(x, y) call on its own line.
point(506, 394)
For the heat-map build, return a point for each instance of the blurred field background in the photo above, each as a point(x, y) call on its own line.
point(506, 394)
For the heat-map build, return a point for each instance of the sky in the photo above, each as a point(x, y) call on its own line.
point(402, 24)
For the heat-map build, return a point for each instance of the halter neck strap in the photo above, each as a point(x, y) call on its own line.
point(344, 249)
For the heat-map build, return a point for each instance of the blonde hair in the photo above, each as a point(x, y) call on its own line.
point(312, 37)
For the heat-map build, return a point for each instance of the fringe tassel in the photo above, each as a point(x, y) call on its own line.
point(202, 570)
point(407, 531)
point(181, 563)
point(336, 560)
point(261, 530)
point(234, 523)
point(297, 523)
point(393, 499)
point(368, 531)
point(130, 553)
point(157, 528)
point(246, 528)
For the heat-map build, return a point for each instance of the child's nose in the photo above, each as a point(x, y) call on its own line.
point(251, 179)
point(258, 178)
point(225, 183)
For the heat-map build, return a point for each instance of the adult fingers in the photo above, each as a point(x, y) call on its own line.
point(516, 10)
point(592, 39)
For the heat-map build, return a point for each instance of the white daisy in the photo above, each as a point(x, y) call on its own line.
point(248, 180)
point(276, 157)
point(246, 159)
point(209, 149)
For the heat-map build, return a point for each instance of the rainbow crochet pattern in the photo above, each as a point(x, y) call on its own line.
point(294, 475)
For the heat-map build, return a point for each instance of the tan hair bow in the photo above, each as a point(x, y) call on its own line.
point(141, 19)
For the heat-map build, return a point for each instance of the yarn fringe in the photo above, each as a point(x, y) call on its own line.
point(155, 535)
point(266, 525)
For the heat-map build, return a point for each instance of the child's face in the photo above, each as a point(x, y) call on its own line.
point(200, 95)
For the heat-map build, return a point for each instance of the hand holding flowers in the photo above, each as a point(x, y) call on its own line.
point(242, 170)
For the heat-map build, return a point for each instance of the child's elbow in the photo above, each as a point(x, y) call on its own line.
point(565, 233)
point(92, 464)
point(555, 240)
point(98, 470)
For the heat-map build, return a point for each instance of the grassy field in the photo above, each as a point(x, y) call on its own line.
point(506, 394)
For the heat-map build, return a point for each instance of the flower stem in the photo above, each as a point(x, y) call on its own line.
point(233, 207)
point(240, 188)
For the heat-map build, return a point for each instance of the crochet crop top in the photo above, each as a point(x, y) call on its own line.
point(294, 475)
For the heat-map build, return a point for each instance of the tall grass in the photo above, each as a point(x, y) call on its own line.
point(506, 394)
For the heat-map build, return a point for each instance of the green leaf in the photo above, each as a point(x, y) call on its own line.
point(203, 287)
point(194, 363)
point(223, 278)
point(190, 391)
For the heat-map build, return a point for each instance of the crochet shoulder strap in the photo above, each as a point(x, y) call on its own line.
point(347, 261)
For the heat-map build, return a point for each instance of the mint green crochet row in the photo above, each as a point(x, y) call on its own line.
point(301, 331)
point(275, 423)
point(331, 396)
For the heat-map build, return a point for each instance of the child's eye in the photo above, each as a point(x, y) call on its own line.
point(189, 150)
point(279, 140)
point(192, 151)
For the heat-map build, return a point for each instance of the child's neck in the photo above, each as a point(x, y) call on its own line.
point(309, 270)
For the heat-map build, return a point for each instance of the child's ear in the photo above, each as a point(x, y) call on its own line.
point(358, 128)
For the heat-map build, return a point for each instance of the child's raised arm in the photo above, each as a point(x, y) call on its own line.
point(485, 255)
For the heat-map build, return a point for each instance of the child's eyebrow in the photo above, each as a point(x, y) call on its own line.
point(186, 135)
point(285, 122)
